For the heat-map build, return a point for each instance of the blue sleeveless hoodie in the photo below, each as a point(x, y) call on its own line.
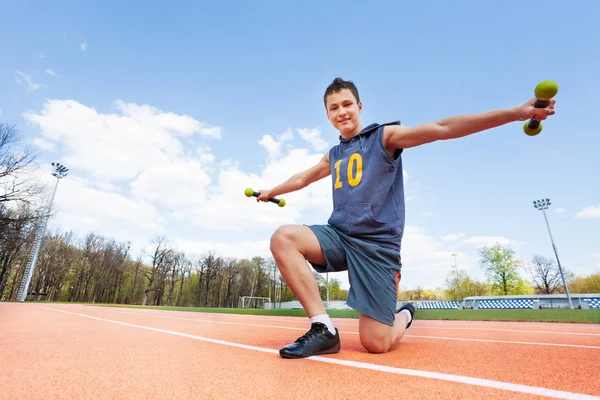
point(368, 188)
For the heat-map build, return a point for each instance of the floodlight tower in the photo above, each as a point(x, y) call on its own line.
point(455, 266)
point(59, 171)
point(543, 205)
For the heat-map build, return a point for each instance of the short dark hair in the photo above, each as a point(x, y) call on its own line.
point(339, 84)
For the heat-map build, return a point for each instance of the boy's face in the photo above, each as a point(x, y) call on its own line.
point(343, 112)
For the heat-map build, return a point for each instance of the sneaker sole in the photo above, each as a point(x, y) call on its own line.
point(333, 350)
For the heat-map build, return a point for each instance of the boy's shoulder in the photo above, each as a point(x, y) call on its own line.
point(370, 129)
point(373, 127)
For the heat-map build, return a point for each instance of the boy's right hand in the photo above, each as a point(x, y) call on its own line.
point(264, 195)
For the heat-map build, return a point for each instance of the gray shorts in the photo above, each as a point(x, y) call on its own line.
point(373, 271)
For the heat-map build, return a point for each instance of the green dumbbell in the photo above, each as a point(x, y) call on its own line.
point(249, 193)
point(544, 91)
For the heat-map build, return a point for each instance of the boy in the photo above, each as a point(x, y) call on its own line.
point(364, 233)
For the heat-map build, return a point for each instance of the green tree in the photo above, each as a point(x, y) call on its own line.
point(585, 284)
point(501, 268)
point(459, 285)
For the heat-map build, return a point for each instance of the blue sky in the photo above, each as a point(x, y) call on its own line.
point(166, 111)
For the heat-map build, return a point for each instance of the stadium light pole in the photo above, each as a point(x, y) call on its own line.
point(455, 273)
point(455, 267)
point(543, 205)
point(59, 171)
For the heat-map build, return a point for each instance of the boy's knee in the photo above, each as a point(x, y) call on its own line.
point(376, 343)
point(281, 237)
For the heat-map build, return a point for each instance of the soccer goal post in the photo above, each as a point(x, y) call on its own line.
point(253, 302)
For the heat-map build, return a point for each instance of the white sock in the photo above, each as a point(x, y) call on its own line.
point(408, 316)
point(324, 319)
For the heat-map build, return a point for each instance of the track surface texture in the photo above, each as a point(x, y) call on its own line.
point(57, 351)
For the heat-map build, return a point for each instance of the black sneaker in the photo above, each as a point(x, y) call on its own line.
point(318, 340)
point(410, 308)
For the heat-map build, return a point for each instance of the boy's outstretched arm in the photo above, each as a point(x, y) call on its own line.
point(299, 180)
point(402, 137)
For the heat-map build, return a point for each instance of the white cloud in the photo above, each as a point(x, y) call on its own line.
point(559, 211)
point(83, 46)
point(274, 145)
point(173, 184)
point(225, 206)
point(595, 257)
point(43, 144)
point(589, 212)
point(23, 78)
point(161, 159)
point(273, 148)
point(452, 237)
point(117, 146)
point(287, 135)
point(83, 209)
point(50, 72)
point(427, 262)
point(486, 241)
point(584, 265)
point(243, 249)
point(313, 136)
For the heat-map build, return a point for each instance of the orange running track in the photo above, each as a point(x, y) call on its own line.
point(58, 351)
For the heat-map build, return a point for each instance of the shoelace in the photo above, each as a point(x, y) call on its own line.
point(313, 332)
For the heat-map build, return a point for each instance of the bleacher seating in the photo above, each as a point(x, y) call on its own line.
point(516, 303)
point(438, 305)
point(594, 303)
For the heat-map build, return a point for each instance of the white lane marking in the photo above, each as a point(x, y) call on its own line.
point(514, 330)
point(513, 387)
point(341, 321)
point(356, 333)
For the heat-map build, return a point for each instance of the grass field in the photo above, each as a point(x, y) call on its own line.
point(573, 316)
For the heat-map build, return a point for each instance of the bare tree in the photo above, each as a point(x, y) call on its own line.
point(213, 265)
point(16, 183)
point(17, 227)
point(176, 268)
point(136, 271)
point(186, 270)
point(160, 262)
point(231, 273)
point(545, 274)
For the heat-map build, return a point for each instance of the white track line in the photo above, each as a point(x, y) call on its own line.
point(342, 321)
point(356, 333)
point(513, 387)
point(514, 330)
point(420, 325)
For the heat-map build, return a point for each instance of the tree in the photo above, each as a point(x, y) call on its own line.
point(586, 284)
point(16, 184)
point(17, 228)
point(501, 268)
point(459, 285)
point(545, 274)
point(160, 265)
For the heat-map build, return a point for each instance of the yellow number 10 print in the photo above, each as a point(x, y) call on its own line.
point(353, 179)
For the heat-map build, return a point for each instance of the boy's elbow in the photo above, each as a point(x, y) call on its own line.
point(301, 181)
point(439, 131)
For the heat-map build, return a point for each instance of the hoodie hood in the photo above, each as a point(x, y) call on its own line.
point(366, 131)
